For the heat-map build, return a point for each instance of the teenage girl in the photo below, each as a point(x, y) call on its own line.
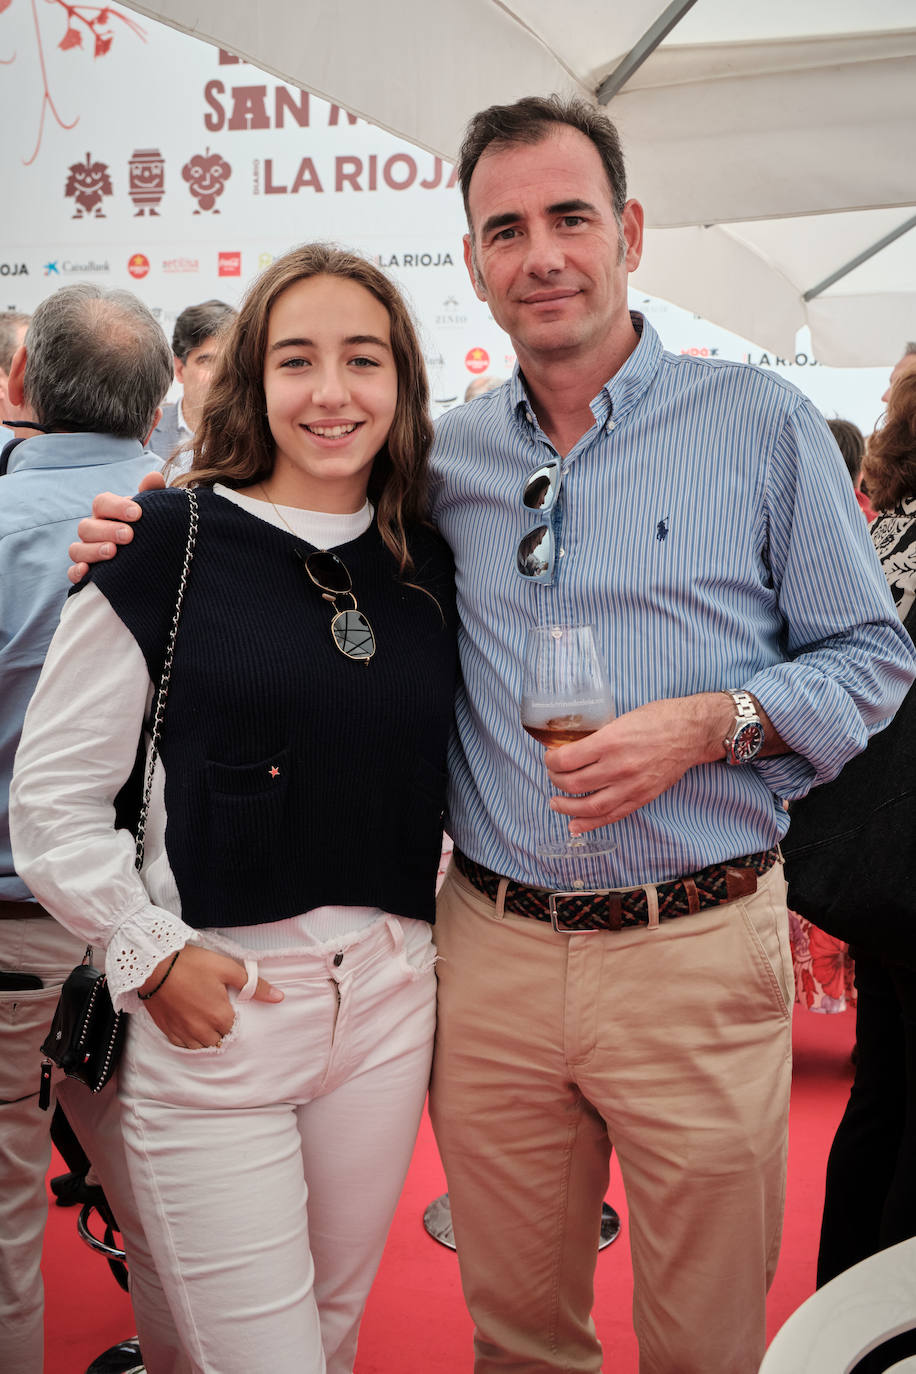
point(275, 952)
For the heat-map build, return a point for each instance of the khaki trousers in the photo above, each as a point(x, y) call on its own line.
point(673, 1045)
point(39, 945)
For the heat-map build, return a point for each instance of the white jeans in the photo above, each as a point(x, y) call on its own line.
point(267, 1170)
point(41, 946)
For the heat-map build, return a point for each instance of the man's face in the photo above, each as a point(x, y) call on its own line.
point(195, 372)
point(548, 255)
point(906, 365)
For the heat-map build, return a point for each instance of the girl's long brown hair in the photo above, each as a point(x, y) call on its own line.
point(889, 467)
point(233, 443)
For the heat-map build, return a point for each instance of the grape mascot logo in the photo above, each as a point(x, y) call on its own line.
point(206, 174)
point(88, 184)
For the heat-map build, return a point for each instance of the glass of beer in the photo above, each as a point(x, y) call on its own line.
point(566, 695)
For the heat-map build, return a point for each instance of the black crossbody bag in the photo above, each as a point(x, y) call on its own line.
point(87, 1034)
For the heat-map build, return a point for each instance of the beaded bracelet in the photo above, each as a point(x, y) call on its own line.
point(145, 996)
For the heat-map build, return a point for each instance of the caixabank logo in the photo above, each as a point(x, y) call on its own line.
point(76, 267)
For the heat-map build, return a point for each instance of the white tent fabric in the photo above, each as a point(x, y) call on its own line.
point(770, 144)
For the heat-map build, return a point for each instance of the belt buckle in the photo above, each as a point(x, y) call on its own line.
point(568, 930)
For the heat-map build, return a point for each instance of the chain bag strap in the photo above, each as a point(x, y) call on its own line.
point(87, 1034)
point(162, 693)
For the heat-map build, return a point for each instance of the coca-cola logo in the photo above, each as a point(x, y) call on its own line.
point(229, 264)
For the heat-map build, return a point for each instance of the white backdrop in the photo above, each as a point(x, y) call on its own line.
point(137, 156)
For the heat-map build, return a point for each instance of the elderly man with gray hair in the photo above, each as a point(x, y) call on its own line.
point(90, 377)
point(13, 325)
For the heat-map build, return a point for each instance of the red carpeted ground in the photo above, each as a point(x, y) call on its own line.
point(416, 1322)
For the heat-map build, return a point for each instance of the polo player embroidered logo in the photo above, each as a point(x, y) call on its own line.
point(661, 529)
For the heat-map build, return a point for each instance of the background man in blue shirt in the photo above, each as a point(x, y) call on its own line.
point(195, 341)
point(92, 372)
point(704, 524)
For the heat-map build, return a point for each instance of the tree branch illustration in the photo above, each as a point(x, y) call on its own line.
point(91, 22)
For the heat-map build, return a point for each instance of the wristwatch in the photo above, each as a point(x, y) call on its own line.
point(745, 739)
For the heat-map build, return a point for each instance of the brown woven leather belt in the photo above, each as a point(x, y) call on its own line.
point(618, 909)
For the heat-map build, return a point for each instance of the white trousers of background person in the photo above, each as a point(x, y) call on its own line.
point(40, 946)
point(268, 1169)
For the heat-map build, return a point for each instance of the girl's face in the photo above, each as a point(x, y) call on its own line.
point(331, 387)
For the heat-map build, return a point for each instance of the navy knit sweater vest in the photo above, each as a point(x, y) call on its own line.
point(294, 776)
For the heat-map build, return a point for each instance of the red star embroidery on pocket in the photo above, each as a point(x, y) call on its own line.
point(274, 771)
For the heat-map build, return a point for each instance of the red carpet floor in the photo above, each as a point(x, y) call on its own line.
point(416, 1322)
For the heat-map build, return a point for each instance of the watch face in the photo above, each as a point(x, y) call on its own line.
point(748, 741)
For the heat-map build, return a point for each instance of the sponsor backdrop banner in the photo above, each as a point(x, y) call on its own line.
point(138, 156)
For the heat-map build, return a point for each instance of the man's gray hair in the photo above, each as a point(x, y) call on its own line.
point(11, 323)
point(96, 361)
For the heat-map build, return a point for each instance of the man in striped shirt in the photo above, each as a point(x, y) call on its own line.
point(699, 518)
point(697, 514)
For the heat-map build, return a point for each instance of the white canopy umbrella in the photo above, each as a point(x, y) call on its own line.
point(772, 145)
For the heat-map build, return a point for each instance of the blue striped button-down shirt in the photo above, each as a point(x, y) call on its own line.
point(708, 531)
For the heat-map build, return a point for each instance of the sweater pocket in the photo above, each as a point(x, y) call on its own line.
point(246, 804)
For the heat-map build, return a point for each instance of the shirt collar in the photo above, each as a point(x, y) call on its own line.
point(181, 421)
point(621, 392)
point(72, 451)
